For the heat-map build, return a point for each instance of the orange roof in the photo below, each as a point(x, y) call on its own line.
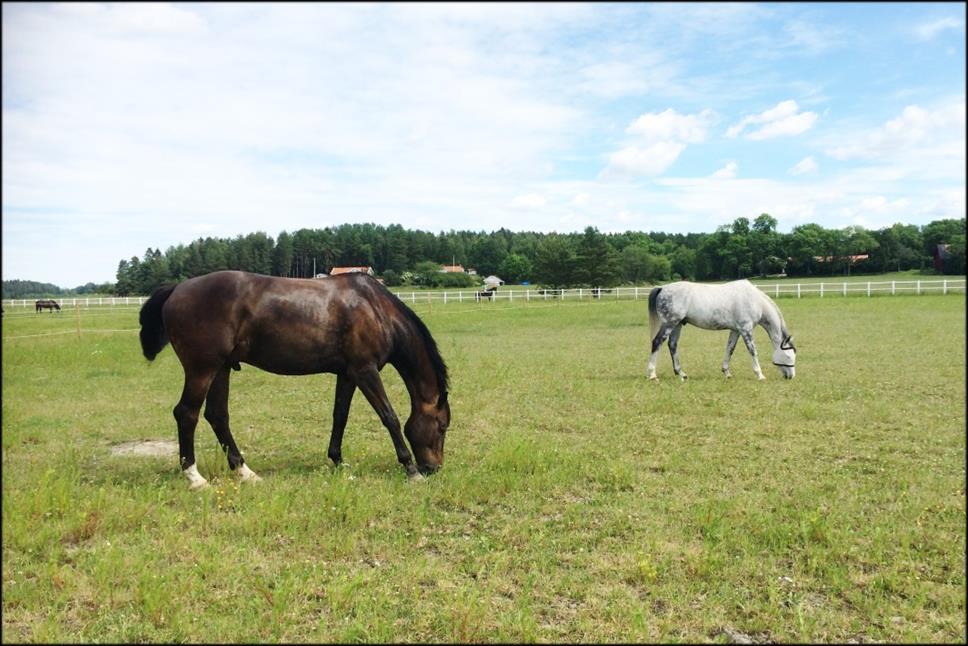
point(350, 270)
point(853, 259)
point(453, 269)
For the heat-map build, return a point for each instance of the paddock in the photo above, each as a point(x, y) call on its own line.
point(577, 502)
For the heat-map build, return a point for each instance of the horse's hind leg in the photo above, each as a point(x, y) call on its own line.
point(674, 351)
point(341, 410)
point(186, 416)
point(217, 414)
point(730, 346)
point(748, 338)
point(657, 342)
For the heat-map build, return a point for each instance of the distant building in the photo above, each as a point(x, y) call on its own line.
point(852, 259)
point(351, 270)
point(471, 272)
point(452, 269)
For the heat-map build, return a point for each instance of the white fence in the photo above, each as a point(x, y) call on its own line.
point(85, 302)
point(776, 290)
point(519, 295)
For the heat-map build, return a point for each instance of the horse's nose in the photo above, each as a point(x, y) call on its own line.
point(427, 469)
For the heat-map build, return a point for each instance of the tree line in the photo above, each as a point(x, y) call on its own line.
point(401, 256)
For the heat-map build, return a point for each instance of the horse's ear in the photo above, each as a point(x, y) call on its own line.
point(442, 400)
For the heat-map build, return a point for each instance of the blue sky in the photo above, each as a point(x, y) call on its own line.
point(127, 126)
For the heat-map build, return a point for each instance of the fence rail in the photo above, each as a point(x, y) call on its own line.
point(777, 290)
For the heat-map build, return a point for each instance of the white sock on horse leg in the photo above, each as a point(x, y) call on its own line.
point(247, 474)
point(195, 479)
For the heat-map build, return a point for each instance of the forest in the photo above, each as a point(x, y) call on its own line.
point(400, 256)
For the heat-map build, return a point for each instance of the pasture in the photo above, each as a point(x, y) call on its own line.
point(577, 502)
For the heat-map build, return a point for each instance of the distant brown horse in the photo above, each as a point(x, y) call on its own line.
point(349, 325)
point(46, 304)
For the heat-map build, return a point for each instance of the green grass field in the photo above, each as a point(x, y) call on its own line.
point(578, 501)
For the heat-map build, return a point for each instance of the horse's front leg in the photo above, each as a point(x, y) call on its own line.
point(657, 342)
point(748, 338)
point(341, 410)
point(674, 351)
point(217, 414)
point(730, 346)
point(368, 381)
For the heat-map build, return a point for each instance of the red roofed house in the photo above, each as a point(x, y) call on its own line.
point(351, 270)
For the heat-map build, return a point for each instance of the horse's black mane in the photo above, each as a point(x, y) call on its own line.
point(440, 368)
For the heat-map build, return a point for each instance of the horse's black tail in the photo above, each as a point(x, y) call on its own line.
point(653, 314)
point(153, 335)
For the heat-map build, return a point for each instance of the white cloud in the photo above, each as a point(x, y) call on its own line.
point(804, 166)
point(649, 162)
point(876, 212)
point(726, 172)
point(914, 127)
point(813, 38)
point(928, 30)
point(781, 120)
point(658, 138)
point(669, 125)
point(530, 201)
point(582, 199)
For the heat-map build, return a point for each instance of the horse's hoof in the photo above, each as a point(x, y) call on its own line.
point(416, 476)
point(248, 475)
point(653, 378)
point(683, 377)
point(195, 479)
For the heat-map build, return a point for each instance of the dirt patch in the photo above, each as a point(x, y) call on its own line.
point(153, 448)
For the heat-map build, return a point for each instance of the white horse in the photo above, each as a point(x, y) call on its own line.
point(738, 306)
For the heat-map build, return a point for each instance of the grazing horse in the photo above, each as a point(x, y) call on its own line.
point(46, 304)
point(349, 325)
point(738, 306)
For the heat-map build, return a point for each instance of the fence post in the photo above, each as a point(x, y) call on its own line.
point(845, 288)
point(798, 290)
point(77, 318)
point(919, 288)
point(821, 290)
point(445, 298)
point(892, 288)
point(944, 286)
point(776, 292)
point(868, 289)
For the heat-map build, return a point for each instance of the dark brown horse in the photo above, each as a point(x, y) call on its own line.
point(46, 304)
point(349, 325)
